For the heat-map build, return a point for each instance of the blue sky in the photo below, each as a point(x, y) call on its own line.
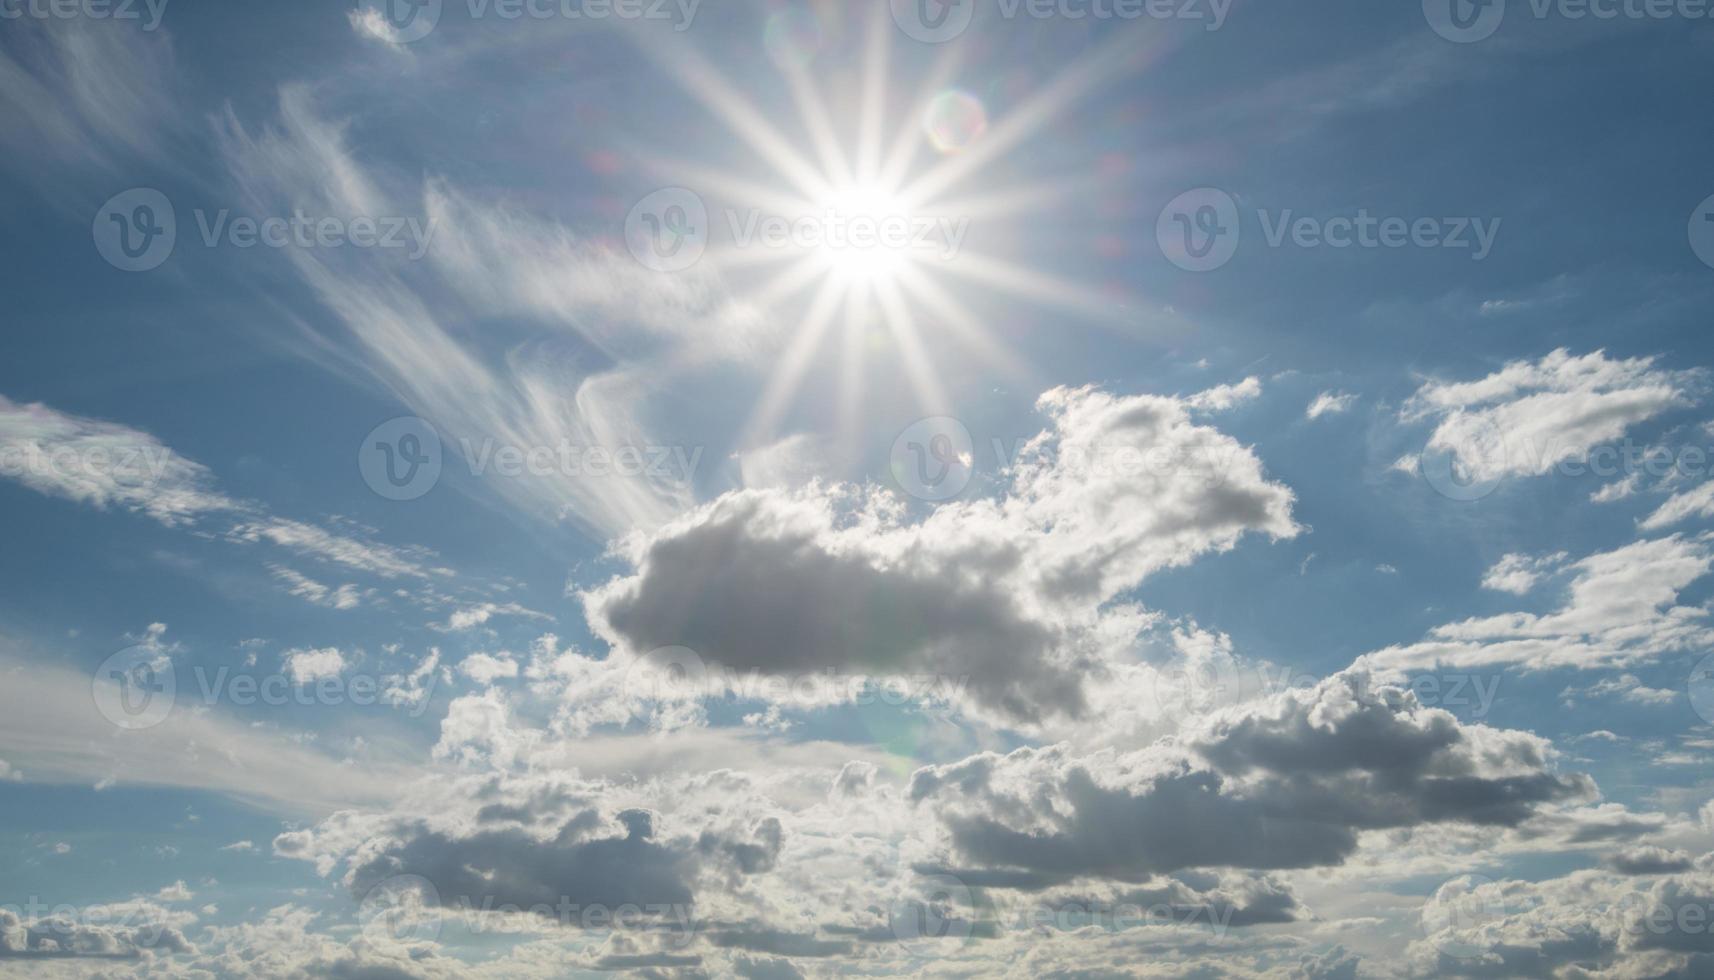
point(1265, 453)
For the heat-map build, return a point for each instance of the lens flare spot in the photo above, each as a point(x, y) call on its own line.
point(792, 37)
point(954, 120)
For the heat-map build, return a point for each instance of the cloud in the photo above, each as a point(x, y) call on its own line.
point(1528, 417)
point(86, 96)
point(1621, 610)
point(348, 550)
point(1287, 782)
point(308, 666)
point(1518, 574)
point(1003, 593)
point(1696, 502)
point(486, 668)
point(1329, 403)
point(103, 464)
point(50, 728)
point(1587, 923)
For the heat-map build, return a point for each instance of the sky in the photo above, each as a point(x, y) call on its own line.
point(1035, 488)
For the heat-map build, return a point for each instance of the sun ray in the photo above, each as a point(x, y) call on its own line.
point(919, 367)
point(813, 111)
point(909, 137)
point(704, 83)
point(953, 316)
point(789, 371)
point(871, 116)
point(1022, 281)
point(1114, 57)
point(723, 184)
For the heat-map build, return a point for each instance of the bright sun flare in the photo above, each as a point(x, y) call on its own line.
point(868, 236)
point(866, 233)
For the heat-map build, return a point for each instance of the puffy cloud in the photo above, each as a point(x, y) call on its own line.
point(1527, 417)
point(1647, 859)
point(1589, 923)
point(1288, 782)
point(1002, 592)
point(485, 668)
point(309, 666)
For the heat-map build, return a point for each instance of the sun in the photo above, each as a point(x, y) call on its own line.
point(871, 234)
point(862, 231)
